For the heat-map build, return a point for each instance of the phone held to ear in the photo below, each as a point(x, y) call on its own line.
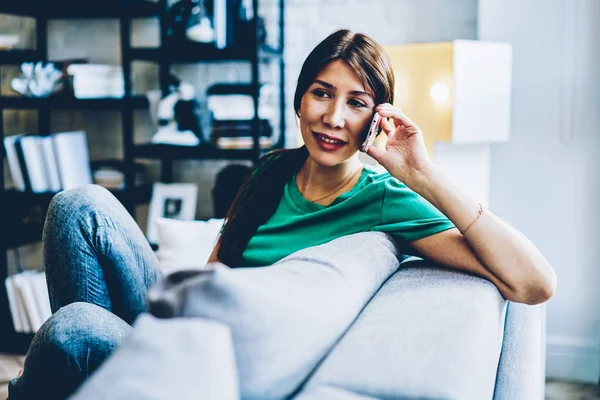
point(372, 133)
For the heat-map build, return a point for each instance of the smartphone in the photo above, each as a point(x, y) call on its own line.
point(371, 133)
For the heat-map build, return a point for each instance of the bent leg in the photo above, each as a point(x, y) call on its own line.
point(69, 346)
point(95, 252)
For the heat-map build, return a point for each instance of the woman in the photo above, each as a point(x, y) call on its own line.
point(344, 80)
point(99, 265)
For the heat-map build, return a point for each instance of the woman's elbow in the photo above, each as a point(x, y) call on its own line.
point(538, 290)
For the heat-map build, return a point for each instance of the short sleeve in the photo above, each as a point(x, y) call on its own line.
point(409, 216)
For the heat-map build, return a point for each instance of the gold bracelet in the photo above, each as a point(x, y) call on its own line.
point(475, 220)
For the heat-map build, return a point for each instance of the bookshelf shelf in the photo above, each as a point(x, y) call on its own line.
point(244, 48)
point(28, 233)
point(71, 9)
point(18, 56)
point(24, 235)
point(140, 194)
point(136, 195)
point(204, 151)
point(64, 102)
point(198, 52)
point(18, 343)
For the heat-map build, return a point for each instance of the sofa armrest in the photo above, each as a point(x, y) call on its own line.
point(522, 367)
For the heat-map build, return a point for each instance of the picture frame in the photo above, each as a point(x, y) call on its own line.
point(171, 200)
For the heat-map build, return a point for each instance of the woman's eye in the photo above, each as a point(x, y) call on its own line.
point(356, 103)
point(319, 93)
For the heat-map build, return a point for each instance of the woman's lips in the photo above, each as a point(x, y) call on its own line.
point(328, 144)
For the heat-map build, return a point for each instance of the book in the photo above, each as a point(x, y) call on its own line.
point(14, 305)
point(110, 174)
point(46, 144)
point(242, 142)
point(72, 158)
point(32, 163)
point(220, 23)
point(37, 280)
point(28, 300)
point(48, 163)
point(33, 292)
point(13, 162)
point(26, 297)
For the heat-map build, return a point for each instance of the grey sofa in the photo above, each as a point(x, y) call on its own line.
point(343, 321)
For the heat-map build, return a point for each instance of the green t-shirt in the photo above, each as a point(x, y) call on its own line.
point(378, 202)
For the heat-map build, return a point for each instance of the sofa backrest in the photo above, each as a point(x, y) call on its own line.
point(286, 317)
point(429, 332)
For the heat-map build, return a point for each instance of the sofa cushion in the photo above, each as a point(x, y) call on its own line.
point(428, 333)
point(286, 317)
point(185, 243)
point(182, 359)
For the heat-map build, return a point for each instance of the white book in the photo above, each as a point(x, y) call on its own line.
point(25, 292)
point(14, 304)
point(42, 298)
point(73, 159)
point(34, 163)
point(13, 162)
point(25, 319)
point(220, 23)
point(46, 144)
point(242, 142)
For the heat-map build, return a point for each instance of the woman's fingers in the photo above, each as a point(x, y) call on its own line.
point(376, 153)
point(386, 126)
point(389, 111)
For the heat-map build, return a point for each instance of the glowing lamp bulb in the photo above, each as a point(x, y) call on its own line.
point(439, 92)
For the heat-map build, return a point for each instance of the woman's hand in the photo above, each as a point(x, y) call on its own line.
point(405, 155)
point(491, 248)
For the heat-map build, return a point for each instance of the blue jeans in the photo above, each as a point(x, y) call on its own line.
point(99, 267)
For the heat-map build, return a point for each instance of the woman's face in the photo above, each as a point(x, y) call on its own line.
point(335, 111)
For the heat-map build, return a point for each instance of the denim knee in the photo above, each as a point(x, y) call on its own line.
point(68, 348)
point(85, 196)
point(81, 327)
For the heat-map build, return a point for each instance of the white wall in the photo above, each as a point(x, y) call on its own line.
point(545, 181)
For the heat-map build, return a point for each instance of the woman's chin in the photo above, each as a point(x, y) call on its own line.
point(330, 158)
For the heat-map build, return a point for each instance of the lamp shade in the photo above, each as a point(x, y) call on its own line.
point(457, 92)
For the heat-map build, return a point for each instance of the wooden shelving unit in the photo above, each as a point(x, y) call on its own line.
point(187, 52)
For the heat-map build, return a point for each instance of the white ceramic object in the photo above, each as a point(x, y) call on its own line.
point(95, 70)
point(8, 41)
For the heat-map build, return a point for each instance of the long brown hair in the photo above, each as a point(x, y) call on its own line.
point(261, 192)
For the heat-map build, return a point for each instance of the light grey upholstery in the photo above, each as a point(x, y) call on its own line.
point(168, 359)
point(340, 322)
point(522, 369)
point(286, 317)
point(431, 333)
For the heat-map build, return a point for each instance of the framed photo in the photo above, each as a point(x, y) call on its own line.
point(171, 200)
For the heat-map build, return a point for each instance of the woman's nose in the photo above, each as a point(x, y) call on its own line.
point(334, 116)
